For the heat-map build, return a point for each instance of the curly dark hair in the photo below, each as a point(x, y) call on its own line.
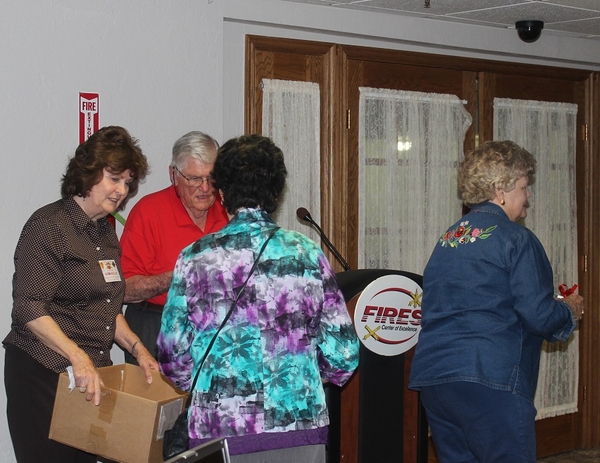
point(250, 172)
point(110, 148)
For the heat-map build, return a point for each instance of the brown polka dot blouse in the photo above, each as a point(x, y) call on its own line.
point(57, 273)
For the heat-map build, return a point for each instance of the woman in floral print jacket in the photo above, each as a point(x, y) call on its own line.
point(261, 384)
point(487, 306)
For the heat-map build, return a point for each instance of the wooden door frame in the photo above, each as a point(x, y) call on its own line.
point(590, 373)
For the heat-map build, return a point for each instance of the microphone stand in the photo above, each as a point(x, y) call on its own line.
point(303, 214)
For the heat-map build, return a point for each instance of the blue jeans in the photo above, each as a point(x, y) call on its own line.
point(472, 423)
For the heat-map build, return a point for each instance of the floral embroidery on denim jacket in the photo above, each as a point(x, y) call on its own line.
point(464, 234)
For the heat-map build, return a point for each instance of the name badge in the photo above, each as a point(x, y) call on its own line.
point(109, 270)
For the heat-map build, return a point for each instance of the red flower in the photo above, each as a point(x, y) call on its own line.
point(459, 232)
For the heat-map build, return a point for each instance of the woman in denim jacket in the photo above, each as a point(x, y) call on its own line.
point(488, 305)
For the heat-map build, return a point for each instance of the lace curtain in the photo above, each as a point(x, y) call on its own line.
point(548, 130)
point(291, 118)
point(410, 144)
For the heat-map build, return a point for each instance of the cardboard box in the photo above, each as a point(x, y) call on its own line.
point(128, 425)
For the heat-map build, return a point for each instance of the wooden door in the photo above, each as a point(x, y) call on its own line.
point(562, 433)
point(362, 67)
point(304, 61)
point(321, 63)
point(478, 82)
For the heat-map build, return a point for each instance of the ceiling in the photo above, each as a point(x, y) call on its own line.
point(573, 18)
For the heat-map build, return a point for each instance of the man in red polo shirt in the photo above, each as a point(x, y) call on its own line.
point(160, 225)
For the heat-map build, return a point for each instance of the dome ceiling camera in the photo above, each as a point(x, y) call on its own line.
point(529, 31)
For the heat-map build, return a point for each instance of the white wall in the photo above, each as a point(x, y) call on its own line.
point(163, 68)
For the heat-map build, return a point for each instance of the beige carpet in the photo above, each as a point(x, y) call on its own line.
point(577, 456)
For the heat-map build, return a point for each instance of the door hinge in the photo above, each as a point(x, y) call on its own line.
point(348, 119)
point(585, 132)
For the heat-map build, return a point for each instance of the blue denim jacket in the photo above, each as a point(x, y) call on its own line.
point(487, 306)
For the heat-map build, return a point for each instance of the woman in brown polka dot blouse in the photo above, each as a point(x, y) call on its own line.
point(68, 292)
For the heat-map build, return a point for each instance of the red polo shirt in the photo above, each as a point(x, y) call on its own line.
point(157, 229)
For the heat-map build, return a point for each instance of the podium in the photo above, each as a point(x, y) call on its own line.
point(375, 417)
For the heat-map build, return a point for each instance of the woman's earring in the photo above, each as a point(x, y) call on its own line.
point(502, 202)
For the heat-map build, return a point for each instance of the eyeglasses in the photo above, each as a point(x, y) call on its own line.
point(196, 181)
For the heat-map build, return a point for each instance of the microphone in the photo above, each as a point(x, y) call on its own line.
point(303, 214)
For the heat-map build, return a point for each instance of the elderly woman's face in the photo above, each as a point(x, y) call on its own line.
point(517, 200)
point(194, 185)
point(106, 196)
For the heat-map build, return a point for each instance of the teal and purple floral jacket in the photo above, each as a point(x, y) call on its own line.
point(289, 331)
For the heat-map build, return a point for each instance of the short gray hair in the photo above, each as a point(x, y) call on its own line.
point(494, 164)
point(197, 145)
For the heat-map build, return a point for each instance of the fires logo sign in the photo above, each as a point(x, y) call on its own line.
point(387, 317)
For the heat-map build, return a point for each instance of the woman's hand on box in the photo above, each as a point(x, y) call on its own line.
point(87, 378)
point(146, 362)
